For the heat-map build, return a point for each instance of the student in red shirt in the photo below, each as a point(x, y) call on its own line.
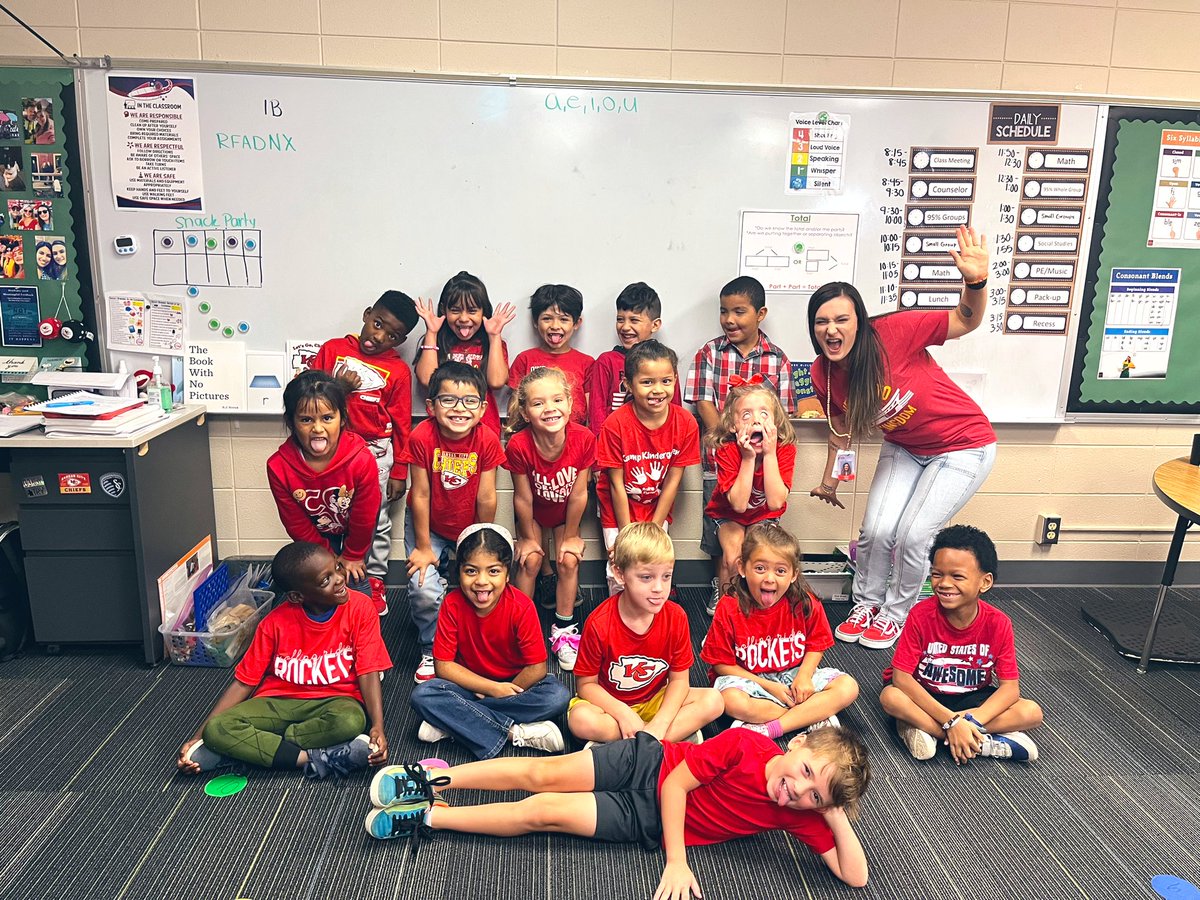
point(464, 329)
point(550, 457)
point(754, 447)
point(938, 446)
point(767, 639)
point(954, 676)
point(655, 793)
point(492, 685)
point(636, 653)
point(324, 478)
point(306, 689)
point(378, 387)
point(644, 447)
point(557, 311)
point(453, 470)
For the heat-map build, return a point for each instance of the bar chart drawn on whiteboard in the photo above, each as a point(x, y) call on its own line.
point(797, 252)
point(212, 257)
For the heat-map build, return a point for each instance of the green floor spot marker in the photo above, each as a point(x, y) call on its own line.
point(225, 785)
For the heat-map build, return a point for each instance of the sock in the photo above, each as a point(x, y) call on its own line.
point(566, 621)
point(774, 729)
point(286, 756)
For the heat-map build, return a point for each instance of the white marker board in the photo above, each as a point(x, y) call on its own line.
point(349, 186)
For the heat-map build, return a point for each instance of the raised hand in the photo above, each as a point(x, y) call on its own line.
point(971, 257)
point(427, 310)
point(503, 314)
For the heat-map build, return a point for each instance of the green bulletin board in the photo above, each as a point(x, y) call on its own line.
point(41, 202)
point(1131, 174)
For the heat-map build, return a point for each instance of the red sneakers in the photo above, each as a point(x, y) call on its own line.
point(880, 634)
point(856, 623)
point(379, 595)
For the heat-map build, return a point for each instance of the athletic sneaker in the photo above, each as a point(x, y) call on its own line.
point(405, 784)
point(762, 728)
point(379, 595)
point(425, 670)
point(1014, 745)
point(856, 623)
point(832, 722)
point(400, 820)
point(205, 758)
point(564, 643)
point(430, 733)
point(340, 759)
point(880, 634)
point(714, 598)
point(920, 744)
point(545, 591)
point(537, 736)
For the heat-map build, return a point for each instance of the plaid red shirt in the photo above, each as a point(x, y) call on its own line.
point(718, 360)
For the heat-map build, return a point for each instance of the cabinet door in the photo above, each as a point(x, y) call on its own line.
point(83, 598)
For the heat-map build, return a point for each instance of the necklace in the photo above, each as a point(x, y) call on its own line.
point(828, 413)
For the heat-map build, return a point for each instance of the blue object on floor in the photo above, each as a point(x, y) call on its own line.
point(1174, 888)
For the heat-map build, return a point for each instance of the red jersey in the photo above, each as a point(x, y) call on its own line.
point(496, 646)
point(633, 667)
point(729, 463)
point(947, 660)
point(922, 409)
point(576, 364)
point(606, 393)
point(551, 480)
point(768, 640)
point(342, 501)
point(644, 456)
point(454, 467)
point(471, 353)
point(732, 800)
point(382, 405)
point(294, 657)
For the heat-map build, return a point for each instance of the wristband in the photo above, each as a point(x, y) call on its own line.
point(429, 346)
point(977, 285)
point(950, 723)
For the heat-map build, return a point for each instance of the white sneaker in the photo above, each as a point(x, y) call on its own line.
point(538, 736)
point(919, 744)
point(832, 722)
point(714, 598)
point(697, 738)
point(430, 733)
point(1015, 745)
point(564, 643)
point(425, 670)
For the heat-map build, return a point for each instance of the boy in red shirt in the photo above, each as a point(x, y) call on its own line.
point(644, 447)
point(298, 695)
point(557, 311)
point(453, 472)
point(635, 655)
point(654, 793)
point(379, 396)
point(954, 675)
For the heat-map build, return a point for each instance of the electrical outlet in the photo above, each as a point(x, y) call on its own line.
point(1048, 528)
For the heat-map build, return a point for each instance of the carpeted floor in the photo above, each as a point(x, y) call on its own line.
point(91, 807)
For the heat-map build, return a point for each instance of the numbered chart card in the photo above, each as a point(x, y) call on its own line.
point(1138, 322)
point(154, 143)
point(817, 162)
point(1175, 216)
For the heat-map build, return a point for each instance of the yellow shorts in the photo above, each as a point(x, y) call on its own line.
point(646, 710)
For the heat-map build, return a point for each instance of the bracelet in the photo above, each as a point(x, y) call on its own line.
point(975, 286)
point(828, 488)
point(950, 723)
point(429, 346)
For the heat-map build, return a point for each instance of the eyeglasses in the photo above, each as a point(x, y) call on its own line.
point(449, 401)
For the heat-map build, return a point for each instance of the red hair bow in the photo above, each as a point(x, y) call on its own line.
point(739, 381)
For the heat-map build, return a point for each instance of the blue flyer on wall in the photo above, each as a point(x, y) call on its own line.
point(19, 317)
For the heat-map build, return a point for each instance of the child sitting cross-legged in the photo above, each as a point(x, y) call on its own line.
point(654, 793)
point(298, 695)
point(954, 674)
point(491, 685)
point(636, 652)
point(766, 641)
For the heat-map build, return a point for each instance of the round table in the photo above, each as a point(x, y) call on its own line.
point(1177, 484)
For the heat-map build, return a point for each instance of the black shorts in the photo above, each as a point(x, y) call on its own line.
point(627, 791)
point(969, 700)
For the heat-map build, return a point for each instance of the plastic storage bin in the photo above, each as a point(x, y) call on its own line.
point(216, 649)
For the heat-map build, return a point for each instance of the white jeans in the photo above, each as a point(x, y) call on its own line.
point(911, 498)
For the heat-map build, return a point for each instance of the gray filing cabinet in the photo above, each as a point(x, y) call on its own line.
point(102, 518)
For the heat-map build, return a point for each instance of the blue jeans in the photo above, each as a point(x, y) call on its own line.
point(337, 544)
point(911, 498)
point(424, 600)
point(482, 725)
point(381, 543)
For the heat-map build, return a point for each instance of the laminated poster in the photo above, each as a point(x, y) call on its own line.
point(154, 143)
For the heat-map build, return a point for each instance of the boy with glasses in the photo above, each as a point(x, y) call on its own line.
point(453, 470)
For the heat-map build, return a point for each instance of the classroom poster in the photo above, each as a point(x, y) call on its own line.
point(19, 317)
point(1175, 213)
point(214, 373)
point(817, 159)
point(154, 143)
point(144, 323)
point(1138, 321)
point(796, 252)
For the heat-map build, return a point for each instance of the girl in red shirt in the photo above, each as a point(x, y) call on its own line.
point(766, 641)
point(325, 481)
point(464, 329)
point(549, 456)
point(755, 450)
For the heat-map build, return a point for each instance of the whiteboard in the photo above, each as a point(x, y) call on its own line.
point(367, 184)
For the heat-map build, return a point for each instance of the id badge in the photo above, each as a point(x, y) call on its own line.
point(845, 465)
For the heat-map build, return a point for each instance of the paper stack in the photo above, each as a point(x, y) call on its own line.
point(83, 412)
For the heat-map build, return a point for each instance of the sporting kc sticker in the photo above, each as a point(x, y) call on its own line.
point(113, 484)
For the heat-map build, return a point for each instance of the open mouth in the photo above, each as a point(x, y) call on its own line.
point(756, 436)
point(833, 345)
point(783, 796)
point(627, 338)
point(465, 331)
point(483, 596)
point(318, 445)
point(554, 338)
point(369, 345)
point(766, 596)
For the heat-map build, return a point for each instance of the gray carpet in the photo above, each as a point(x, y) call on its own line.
point(91, 807)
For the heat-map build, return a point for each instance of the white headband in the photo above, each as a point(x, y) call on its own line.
point(479, 526)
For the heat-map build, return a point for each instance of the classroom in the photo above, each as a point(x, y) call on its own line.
point(203, 199)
